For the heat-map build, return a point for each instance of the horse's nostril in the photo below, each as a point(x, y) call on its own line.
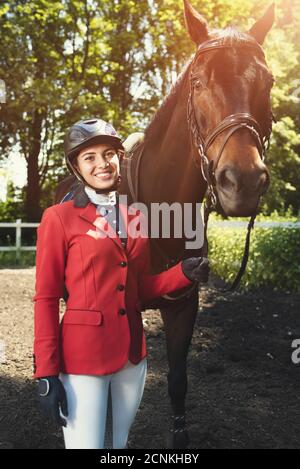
point(227, 179)
point(264, 182)
point(233, 181)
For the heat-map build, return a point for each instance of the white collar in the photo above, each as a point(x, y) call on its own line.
point(101, 199)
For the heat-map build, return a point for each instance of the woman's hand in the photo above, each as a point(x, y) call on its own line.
point(196, 269)
point(52, 397)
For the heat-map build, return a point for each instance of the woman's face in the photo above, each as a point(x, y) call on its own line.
point(99, 166)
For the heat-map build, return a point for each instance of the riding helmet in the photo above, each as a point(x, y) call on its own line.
point(86, 133)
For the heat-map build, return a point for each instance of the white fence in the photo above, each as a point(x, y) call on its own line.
point(18, 247)
point(18, 225)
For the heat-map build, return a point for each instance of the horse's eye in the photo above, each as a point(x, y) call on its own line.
point(198, 84)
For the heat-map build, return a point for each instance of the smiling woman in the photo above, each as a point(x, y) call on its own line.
point(93, 153)
point(99, 165)
point(97, 354)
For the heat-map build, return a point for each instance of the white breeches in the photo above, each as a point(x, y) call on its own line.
point(88, 401)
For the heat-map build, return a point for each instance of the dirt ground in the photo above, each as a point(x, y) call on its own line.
point(244, 390)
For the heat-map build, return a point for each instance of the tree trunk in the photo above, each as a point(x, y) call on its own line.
point(33, 191)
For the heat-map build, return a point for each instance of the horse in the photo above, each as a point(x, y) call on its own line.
point(208, 138)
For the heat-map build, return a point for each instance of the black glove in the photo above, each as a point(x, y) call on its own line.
point(196, 269)
point(52, 397)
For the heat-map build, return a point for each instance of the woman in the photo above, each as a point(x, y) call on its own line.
point(98, 351)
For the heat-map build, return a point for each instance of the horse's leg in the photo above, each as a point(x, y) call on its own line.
point(179, 319)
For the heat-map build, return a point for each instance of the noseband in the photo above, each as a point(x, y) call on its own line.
point(230, 124)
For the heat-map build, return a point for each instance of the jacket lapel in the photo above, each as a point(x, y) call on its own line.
point(139, 227)
point(102, 228)
point(89, 213)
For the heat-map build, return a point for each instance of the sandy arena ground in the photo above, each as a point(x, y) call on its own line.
point(244, 390)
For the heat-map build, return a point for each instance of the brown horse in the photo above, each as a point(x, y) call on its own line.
point(210, 133)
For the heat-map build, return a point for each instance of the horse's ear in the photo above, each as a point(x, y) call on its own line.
point(263, 26)
point(195, 23)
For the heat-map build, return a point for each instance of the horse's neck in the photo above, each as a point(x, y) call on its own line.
point(167, 171)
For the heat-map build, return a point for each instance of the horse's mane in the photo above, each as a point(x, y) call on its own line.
point(166, 108)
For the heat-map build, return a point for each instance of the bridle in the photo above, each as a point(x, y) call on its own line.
point(228, 126)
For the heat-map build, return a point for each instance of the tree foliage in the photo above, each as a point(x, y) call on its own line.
point(64, 60)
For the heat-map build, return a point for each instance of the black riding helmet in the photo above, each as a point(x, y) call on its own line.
point(85, 133)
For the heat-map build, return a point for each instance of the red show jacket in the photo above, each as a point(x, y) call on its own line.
point(102, 326)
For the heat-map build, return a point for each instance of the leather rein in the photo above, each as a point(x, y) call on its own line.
point(228, 126)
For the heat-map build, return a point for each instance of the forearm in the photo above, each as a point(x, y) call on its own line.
point(46, 337)
point(154, 286)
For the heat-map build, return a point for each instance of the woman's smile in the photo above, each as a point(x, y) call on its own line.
point(99, 166)
point(103, 176)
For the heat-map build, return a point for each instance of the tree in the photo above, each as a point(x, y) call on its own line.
point(64, 60)
point(32, 41)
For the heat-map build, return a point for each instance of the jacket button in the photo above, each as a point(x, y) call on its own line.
point(123, 264)
point(120, 287)
point(122, 311)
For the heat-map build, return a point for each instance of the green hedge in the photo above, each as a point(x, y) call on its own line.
point(274, 259)
point(9, 259)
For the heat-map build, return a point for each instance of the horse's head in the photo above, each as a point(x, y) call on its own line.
point(229, 77)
